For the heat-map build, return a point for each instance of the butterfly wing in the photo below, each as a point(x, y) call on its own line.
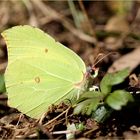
point(40, 71)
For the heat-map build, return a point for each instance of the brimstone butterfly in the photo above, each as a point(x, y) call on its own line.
point(40, 71)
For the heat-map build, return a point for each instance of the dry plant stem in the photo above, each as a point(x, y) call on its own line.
point(33, 135)
point(4, 134)
point(45, 131)
point(57, 116)
point(30, 133)
point(74, 13)
point(65, 132)
point(46, 10)
point(33, 21)
point(66, 116)
point(90, 131)
point(41, 119)
point(20, 118)
point(90, 28)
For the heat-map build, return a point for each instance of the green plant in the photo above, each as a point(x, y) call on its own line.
point(100, 103)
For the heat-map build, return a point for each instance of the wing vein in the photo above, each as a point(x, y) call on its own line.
point(49, 73)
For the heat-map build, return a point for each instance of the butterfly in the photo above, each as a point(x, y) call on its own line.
point(40, 71)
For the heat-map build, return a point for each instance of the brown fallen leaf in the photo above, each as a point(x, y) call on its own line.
point(117, 23)
point(134, 81)
point(130, 60)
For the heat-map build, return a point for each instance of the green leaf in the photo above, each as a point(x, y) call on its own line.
point(88, 102)
point(112, 79)
point(87, 106)
point(119, 98)
point(2, 83)
point(80, 126)
point(81, 107)
point(92, 106)
point(102, 113)
point(92, 94)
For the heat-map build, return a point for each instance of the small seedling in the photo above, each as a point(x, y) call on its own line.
point(94, 102)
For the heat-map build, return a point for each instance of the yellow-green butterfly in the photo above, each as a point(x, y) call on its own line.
point(40, 71)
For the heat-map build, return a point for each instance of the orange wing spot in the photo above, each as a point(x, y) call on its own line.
point(46, 50)
point(37, 79)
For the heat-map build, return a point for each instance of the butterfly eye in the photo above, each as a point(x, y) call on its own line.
point(93, 72)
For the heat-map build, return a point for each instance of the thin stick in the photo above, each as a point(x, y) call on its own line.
point(65, 132)
point(90, 131)
point(20, 118)
point(66, 115)
point(57, 116)
point(32, 19)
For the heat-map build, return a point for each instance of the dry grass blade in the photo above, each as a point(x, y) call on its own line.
point(32, 20)
point(57, 116)
point(90, 28)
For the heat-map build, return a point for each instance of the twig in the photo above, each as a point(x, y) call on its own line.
point(90, 131)
point(20, 118)
point(57, 116)
point(45, 131)
point(33, 21)
point(65, 132)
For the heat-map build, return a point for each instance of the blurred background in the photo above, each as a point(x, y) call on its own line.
point(103, 33)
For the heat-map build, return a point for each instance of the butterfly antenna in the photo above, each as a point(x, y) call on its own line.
point(101, 54)
point(97, 57)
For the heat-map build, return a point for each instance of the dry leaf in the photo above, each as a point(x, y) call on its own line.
point(117, 24)
point(131, 60)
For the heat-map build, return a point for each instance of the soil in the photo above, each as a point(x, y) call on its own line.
point(108, 32)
